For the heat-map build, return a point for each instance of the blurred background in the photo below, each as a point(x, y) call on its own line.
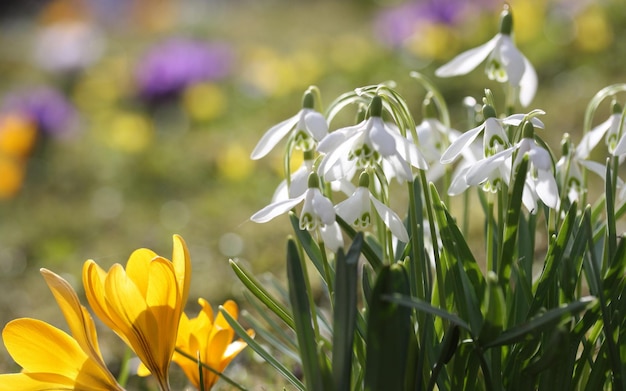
point(123, 122)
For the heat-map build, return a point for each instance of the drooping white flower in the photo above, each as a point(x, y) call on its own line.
point(505, 63)
point(357, 210)
point(540, 181)
point(308, 127)
point(495, 138)
point(568, 170)
point(433, 138)
point(608, 129)
point(366, 145)
point(317, 212)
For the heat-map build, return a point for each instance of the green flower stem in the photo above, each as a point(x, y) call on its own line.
point(328, 272)
point(307, 283)
point(490, 233)
point(122, 378)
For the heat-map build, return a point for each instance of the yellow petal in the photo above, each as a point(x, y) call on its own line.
point(39, 347)
point(93, 282)
point(80, 322)
point(232, 309)
point(182, 267)
point(35, 382)
point(163, 305)
point(137, 266)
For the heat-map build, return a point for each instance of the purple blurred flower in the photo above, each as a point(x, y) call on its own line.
point(395, 25)
point(47, 107)
point(171, 66)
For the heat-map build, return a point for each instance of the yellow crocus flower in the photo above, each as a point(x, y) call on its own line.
point(51, 359)
point(143, 303)
point(209, 339)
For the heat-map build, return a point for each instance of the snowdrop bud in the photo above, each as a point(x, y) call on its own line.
point(506, 20)
point(308, 100)
point(489, 112)
point(529, 130)
point(376, 107)
point(429, 109)
point(566, 145)
point(364, 180)
point(314, 180)
point(617, 108)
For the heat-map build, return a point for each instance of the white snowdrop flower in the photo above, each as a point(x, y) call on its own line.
point(505, 63)
point(308, 127)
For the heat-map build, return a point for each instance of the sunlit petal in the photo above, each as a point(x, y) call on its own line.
point(468, 60)
point(273, 136)
point(458, 145)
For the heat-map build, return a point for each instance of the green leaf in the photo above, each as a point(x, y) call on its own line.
point(425, 307)
point(389, 330)
point(309, 245)
point(262, 294)
point(548, 279)
point(303, 319)
point(345, 313)
point(512, 221)
point(267, 356)
point(494, 310)
point(541, 322)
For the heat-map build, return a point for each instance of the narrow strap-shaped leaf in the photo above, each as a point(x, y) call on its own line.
point(552, 260)
point(389, 329)
point(262, 294)
point(610, 216)
point(267, 356)
point(541, 322)
point(345, 312)
point(303, 320)
point(423, 306)
point(308, 244)
point(512, 222)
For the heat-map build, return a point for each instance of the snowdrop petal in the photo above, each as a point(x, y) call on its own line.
point(323, 207)
point(458, 145)
point(338, 137)
point(275, 209)
point(516, 120)
point(381, 139)
point(481, 170)
point(337, 156)
point(391, 220)
point(547, 189)
point(513, 61)
point(469, 60)
point(331, 235)
point(459, 182)
point(592, 138)
point(273, 136)
point(540, 158)
point(529, 197)
point(316, 124)
point(409, 152)
point(353, 207)
point(528, 84)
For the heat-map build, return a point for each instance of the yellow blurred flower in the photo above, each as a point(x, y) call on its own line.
point(129, 132)
point(17, 135)
point(594, 32)
point(234, 164)
point(12, 173)
point(204, 101)
point(210, 339)
point(50, 358)
point(143, 303)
